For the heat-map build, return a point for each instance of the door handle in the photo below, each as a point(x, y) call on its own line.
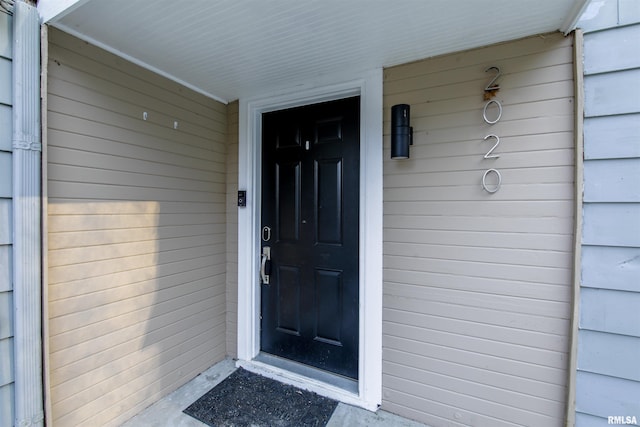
point(265, 265)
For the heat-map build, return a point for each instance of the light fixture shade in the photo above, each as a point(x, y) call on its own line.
point(400, 141)
point(401, 131)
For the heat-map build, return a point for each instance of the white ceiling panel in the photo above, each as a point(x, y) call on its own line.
point(235, 48)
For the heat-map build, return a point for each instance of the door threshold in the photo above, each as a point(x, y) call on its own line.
point(326, 384)
point(339, 381)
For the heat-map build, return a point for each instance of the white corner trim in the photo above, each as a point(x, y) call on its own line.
point(369, 88)
point(578, 76)
point(27, 204)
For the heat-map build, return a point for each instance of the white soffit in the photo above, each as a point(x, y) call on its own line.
point(229, 49)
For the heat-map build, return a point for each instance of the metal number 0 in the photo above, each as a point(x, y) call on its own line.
point(484, 181)
point(484, 112)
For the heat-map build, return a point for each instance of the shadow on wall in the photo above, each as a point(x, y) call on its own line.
point(136, 234)
point(136, 302)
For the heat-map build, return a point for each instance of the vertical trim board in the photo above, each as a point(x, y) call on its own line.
point(6, 208)
point(27, 217)
point(232, 230)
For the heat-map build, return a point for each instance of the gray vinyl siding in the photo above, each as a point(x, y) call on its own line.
point(478, 287)
point(6, 190)
point(136, 234)
point(608, 377)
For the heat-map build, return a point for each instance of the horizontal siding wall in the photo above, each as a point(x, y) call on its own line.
point(608, 377)
point(136, 233)
point(6, 190)
point(477, 286)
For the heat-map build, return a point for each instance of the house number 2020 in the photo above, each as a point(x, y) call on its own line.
point(492, 113)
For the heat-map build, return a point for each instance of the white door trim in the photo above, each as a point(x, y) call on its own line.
point(369, 88)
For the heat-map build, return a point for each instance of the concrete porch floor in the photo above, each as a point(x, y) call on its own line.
point(167, 412)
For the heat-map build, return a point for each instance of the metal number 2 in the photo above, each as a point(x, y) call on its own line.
point(489, 155)
point(492, 84)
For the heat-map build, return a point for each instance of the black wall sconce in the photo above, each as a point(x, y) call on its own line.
point(401, 132)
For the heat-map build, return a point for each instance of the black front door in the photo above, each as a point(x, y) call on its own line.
point(310, 210)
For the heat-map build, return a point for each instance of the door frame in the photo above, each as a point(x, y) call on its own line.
point(369, 88)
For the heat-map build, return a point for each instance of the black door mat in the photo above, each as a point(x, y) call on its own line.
point(248, 399)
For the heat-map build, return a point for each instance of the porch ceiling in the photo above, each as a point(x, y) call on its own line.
point(230, 49)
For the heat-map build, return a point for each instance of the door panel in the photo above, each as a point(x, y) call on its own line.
point(328, 203)
point(288, 195)
point(310, 199)
point(328, 285)
point(288, 299)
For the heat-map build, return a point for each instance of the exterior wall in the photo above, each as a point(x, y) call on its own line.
point(136, 234)
point(478, 287)
point(6, 168)
point(232, 230)
point(608, 377)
